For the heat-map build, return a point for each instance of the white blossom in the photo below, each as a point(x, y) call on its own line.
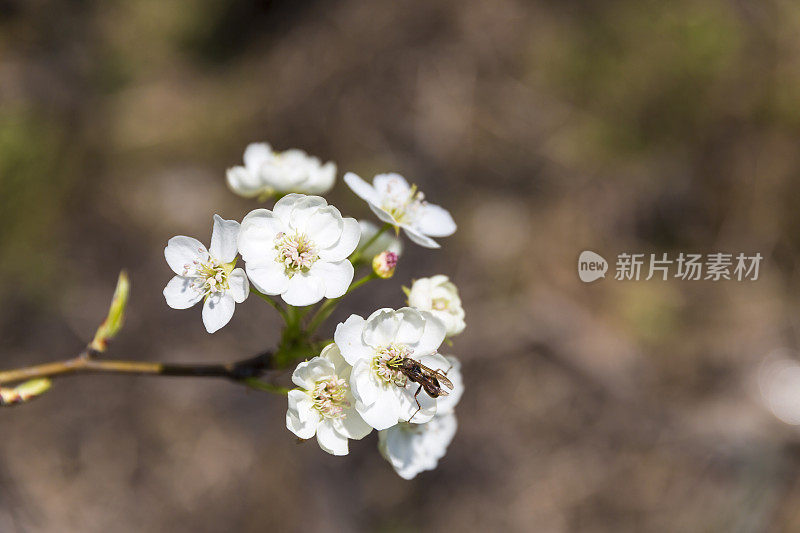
point(393, 201)
point(374, 347)
point(299, 249)
point(323, 403)
point(266, 172)
point(415, 448)
point(386, 242)
point(439, 295)
point(207, 274)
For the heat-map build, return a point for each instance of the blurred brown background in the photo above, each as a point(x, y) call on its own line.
point(546, 127)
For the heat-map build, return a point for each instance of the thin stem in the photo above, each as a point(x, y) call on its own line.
point(357, 254)
point(273, 302)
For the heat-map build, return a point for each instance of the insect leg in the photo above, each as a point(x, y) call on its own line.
point(416, 400)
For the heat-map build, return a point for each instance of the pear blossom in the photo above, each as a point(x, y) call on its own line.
point(267, 172)
point(386, 242)
point(299, 249)
point(374, 347)
point(394, 201)
point(322, 405)
point(207, 274)
point(415, 448)
point(439, 295)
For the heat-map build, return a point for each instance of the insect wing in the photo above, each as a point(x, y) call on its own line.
point(445, 381)
point(438, 374)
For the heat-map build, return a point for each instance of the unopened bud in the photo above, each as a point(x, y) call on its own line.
point(116, 315)
point(23, 392)
point(384, 264)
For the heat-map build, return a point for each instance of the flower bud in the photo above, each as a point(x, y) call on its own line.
point(384, 264)
point(24, 391)
point(116, 315)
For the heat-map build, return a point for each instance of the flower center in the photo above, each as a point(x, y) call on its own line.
point(386, 361)
point(210, 276)
point(295, 252)
point(329, 397)
point(403, 206)
point(440, 304)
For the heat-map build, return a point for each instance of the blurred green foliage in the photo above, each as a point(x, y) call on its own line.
point(33, 186)
point(652, 73)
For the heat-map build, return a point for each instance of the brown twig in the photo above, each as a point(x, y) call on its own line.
point(85, 363)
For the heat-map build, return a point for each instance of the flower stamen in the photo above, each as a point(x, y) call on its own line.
point(329, 397)
point(210, 276)
point(403, 207)
point(386, 361)
point(295, 252)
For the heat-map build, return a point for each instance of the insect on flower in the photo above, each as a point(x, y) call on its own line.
point(427, 378)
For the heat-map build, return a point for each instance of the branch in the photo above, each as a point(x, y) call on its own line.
point(84, 363)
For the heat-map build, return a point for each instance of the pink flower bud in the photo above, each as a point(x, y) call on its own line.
point(384, 264)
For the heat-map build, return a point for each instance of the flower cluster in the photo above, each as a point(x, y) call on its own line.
point(267, 172)
point(383, 372)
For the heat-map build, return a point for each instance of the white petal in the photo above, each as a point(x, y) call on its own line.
point(381, 328)
point(303, 289)
point(432, 336)
point(352, 425)
point(218, 311)
point(419, 238)
point(322, 179)
point(382, 414)
point(223, 239)
point(181, 251)
point(409, 410)
point(391, 184)
point(255, 155)
point(347, 243)
point(257, 235)
point(383, 215)
point(283, 207)
point(180, 294)
point(414, 448)
point(239, 285)
point(301, 417)
point(330, 440)
point(363, 383)
point(348, 337)
point(283, 176)
point(396, 445)
point(364, 190)
point(324, 227)
point(421, 294)
point(332, 353)
point(243, 182)
point(308, 373)
point(412, 325)
point(435, 221)
point(446, 404)
point(435, 361)
point(304, 209)
point(336, 276)
point(268, 277)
